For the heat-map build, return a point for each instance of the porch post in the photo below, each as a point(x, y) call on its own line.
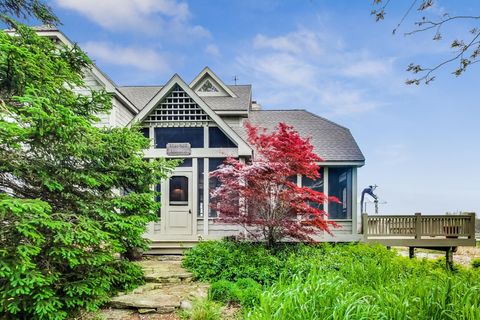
point(325, 189)
point(195, 208)
point(151, 134)
point(418, 225)
point(206, 200)
point(354, 201)
point(365, 226)
point(471, 232)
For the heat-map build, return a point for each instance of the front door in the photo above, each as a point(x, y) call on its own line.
point(178, 218)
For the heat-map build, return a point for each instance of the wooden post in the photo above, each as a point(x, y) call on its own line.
point(418, 225)
point(411, 252)
point(365, 226)
point(449, 258)
point(471, 233)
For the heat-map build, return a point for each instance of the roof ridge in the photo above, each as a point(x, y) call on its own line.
point(143, 86)
point(306, 111)
point(325, 119)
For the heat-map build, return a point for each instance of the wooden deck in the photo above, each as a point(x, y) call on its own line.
point(420, 231)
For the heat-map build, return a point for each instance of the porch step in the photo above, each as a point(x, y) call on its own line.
point(170, 247)
point(162, 272)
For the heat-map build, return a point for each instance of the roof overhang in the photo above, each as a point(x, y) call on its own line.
point(110, 86)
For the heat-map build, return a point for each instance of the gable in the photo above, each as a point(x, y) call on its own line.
point(208, 87)
point(177, 105)
point(208, 84)
point(177, 108)
point(94, 78)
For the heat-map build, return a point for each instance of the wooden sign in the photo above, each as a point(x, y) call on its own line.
point(179, 149)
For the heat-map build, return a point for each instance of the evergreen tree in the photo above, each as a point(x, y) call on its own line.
point(75, 199)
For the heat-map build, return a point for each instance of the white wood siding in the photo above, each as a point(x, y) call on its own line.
point(92, 83)
point(122, 115)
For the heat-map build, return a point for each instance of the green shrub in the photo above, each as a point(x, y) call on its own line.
point(245, 291)
point(214, 260)
point(203, 310)
point(224, 291)
point(476, 263)
point(248, 292)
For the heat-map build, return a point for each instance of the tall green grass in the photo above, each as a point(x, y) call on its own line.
point(341, 282)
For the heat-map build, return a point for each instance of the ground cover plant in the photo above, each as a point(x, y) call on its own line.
point(354, 281)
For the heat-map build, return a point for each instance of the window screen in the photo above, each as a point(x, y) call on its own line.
point(340, 186)
point(316, 185)
point(218, 139)
point(192, 135)
point(213, 183)
point(145, 132)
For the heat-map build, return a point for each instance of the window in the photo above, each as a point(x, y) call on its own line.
point(145, 132)
point(178, 191)
point(293, 179)
point(213, 183)
point(192, 135)
point(207, 86)
point(340, 186)
point(316, 185)
point(218, 139)
point(187, 162)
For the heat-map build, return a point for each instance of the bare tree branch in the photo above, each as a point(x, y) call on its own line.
point(467, 53)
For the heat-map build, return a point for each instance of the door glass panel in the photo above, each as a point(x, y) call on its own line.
point(178, 195)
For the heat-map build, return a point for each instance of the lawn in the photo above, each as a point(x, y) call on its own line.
point(353, 281)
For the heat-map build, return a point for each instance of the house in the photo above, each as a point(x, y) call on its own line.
point(202, 123)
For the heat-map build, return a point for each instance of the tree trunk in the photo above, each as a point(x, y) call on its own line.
point(271, 238)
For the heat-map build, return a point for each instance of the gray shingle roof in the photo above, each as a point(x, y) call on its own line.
point(141, 95)
point(240, 103)
point(331, 141)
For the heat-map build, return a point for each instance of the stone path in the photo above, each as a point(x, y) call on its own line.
point(168, 287)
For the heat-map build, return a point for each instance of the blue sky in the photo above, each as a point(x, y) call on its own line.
point(330, 57)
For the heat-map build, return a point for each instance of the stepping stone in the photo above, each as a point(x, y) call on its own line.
point(164, 299)
point(165, 271)
point(168, 287)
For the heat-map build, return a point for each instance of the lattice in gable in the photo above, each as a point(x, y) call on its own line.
point(177, 109)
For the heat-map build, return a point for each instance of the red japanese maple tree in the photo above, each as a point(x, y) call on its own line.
point(260, 195)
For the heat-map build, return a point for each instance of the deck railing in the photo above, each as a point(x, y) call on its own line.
point(420, 230)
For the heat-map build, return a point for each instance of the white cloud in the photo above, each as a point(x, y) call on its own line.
point(301, 41)
point(368, 68)
point(137, 57)
point(149, 16)
point(393, 154)
point(212, 50)
point(314, 70)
